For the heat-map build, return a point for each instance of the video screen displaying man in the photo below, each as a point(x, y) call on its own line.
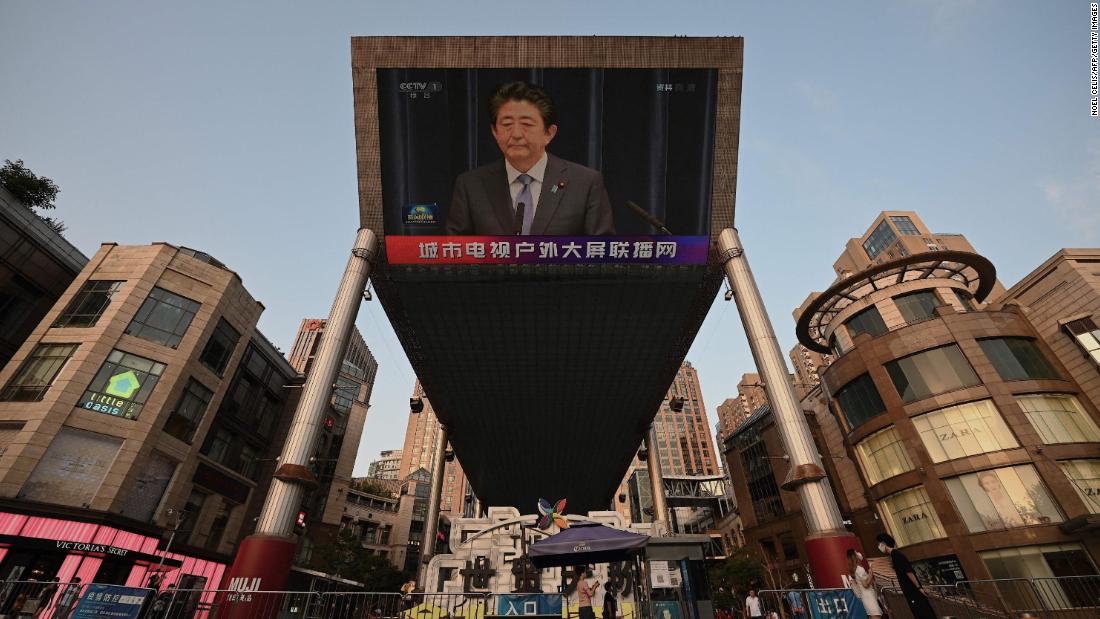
point(461, 149)
point(528, 191)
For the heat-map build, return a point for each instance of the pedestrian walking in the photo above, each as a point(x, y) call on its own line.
point(45, 596)
point(863, 584)
point(70, 593)
point(753, 608)
point(585, 591)
point(610, 603)
point(910, 585)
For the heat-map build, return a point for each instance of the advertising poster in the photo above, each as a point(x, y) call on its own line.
point(546, 166)
point(667, 610)
point(101, 601)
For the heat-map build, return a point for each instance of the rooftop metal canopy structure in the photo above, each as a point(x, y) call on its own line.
point(546, 376)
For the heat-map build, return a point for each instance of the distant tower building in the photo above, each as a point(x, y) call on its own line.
point(387, 466)
point(417, 458)
point(339, 443)
point(684, 446)
point(734, 411)
point(683, 439)
point(420, 436)
point(808, 365)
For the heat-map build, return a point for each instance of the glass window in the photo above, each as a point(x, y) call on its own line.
point(964, 300)
point(122, 385)
point(905, 225)
point(836, 346)
point(1017, 358)
point(217, 527)
point(763, 490)
point(917, 306)
point(191, 512)
point(1087, 335)
point(247, 461)
point(910, 516)
point(1002, 498)
point(882, 455)
point(344, 394)
point(88, 304)
point(882, 237)
point(184, 420)
point(163, 317)
point(35, 377)
point(930, 372)
point(1085, 477)
point(867, 321)
point(220, 347)
point(1058, 418)
point(859, 401)
point(217, 448)
point(964, 430)
point(1046, 563)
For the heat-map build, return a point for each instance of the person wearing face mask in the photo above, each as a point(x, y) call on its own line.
point(907, 578)
point(863, 584)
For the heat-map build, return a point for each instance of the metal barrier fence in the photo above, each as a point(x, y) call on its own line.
point(349, 605)
point(232, 604)
point(43, 599)
point(1009, 598)
point(802, 603)
point(1071, 597)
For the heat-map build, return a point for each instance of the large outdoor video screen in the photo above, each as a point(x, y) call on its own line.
point(538, 165)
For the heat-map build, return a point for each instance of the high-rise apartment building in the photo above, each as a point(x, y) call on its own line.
point(808, 366)
point(146, 394)
point(418, 453)
point(387, 466)
point(684, 442)
point(684, 447)
point(734, 411)
point(417, 460)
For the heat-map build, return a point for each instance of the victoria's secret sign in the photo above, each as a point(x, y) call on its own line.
point(86, 547)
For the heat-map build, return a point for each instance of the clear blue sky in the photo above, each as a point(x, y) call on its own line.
point(228, 127)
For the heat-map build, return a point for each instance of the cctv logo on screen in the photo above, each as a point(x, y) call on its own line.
point(414, 87)
point(420, 214)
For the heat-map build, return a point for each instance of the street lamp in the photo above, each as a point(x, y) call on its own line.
point(179, 516)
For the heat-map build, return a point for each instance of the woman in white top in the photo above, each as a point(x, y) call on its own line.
point(863, 584)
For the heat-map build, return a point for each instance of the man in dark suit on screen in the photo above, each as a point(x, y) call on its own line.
point(559, 198)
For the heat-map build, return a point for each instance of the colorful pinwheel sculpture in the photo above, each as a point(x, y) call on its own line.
point(552, 514)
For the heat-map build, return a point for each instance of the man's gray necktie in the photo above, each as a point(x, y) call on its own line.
point(528, 204)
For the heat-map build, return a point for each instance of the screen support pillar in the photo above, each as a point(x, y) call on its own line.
point(431, 519)
point(827, 540)
point(656, 479)
point(264, 559)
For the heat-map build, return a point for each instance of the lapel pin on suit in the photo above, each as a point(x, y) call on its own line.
point(555, 188)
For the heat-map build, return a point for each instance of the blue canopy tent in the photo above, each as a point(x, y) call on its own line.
point(586, 542)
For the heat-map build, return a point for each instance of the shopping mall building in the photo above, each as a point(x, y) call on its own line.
point(974, 431)
point(106, 448)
